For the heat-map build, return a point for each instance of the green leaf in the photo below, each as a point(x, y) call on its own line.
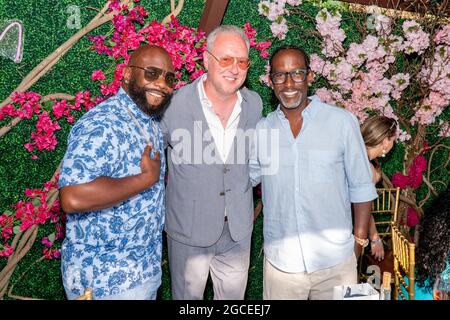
point(36, 202)
point(7, 213)
point(51, 237)
point(17, 230)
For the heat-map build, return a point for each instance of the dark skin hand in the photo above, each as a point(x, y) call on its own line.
point(105, 192)
point(362, 218)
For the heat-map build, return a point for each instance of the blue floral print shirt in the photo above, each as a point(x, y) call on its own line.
point(119, 248)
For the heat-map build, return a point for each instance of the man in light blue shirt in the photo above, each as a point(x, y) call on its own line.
point(312, 162)
point(112, 187)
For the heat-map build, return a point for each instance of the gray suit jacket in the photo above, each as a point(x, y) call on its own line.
point(200, 186)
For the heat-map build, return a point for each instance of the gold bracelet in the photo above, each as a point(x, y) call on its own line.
point(362, 242)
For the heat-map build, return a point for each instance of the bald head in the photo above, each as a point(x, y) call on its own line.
point(148, 79)
point(142, 54)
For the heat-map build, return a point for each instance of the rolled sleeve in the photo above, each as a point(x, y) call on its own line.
point(363, 193)
point(357, 166)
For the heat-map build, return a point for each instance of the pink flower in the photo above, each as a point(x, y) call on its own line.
point(7, 110)
point(445, 130)
point(279, 29)
point(6, 251)
point(317, 64)
point(443, 35)
point(418, 166)
point(46, 242)
point(399, 180)
point(7, 232)
point(416, 39)
point(383, 24)
point(356, 55)
point(51, 253)
point(412, 217)
point(97, 75)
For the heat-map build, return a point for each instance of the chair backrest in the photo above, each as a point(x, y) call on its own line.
point(385, 208)
point(86, 296)
point(404, 262)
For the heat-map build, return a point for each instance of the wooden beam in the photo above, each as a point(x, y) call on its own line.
point(212, 16)
point(405, 5)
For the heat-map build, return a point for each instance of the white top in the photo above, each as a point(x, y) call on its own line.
point(307, 201)
point(223, 137)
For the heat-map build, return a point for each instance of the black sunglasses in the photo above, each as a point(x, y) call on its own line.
point(153, 73)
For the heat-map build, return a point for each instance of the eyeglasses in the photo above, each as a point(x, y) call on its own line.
point(297, 75)
point(243, 63)
point(153, 73)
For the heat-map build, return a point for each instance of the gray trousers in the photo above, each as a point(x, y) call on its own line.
point(227, 260)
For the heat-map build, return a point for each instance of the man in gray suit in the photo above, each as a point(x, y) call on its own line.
point(209, 216)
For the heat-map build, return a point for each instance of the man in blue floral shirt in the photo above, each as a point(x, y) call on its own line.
point(112, 186)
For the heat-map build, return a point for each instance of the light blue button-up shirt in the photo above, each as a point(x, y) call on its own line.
point(118, 248)
point(308, 190)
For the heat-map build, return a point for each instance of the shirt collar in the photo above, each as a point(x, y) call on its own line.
point(128, 103)
point(204, 98)
point(308, 113)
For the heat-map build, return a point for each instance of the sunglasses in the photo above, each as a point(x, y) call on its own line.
point(243, 63)
point(153, 74)
point(297, 75)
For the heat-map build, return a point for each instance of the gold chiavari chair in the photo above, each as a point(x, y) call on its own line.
point(404, 262)
point(384, 211)
point(385, 208)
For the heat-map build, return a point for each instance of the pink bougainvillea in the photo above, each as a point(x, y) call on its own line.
point(412, 218)
point(415, 174)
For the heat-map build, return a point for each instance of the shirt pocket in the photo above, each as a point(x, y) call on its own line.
point(322, 165)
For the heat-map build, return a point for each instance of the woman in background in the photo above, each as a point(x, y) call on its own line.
point(379, 134)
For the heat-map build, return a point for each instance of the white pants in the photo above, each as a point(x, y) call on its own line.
point(317, 285)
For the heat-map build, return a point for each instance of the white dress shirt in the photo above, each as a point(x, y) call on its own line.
point(307, 201)
point(223, 137)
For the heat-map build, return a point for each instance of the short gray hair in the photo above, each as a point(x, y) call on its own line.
point(226, 29)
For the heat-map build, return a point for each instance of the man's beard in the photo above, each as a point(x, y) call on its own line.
point(138, 95)
point(296, 103)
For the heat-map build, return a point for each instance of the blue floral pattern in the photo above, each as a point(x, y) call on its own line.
point(119, 248)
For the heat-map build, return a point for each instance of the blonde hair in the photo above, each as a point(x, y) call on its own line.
point(375, 129)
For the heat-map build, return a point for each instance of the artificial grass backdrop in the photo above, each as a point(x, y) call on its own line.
point(45, 23)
